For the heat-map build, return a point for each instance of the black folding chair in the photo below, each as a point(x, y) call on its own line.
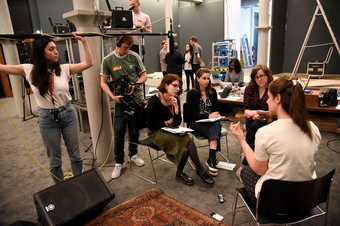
point(287, 202)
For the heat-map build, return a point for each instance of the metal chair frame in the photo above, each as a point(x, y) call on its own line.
point(316, 211)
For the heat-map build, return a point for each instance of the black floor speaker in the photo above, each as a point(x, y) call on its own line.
point(75, 201)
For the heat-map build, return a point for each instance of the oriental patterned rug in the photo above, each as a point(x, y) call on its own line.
point(153, 207)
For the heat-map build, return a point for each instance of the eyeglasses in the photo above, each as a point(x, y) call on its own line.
point(175, 85)
point(258, 77)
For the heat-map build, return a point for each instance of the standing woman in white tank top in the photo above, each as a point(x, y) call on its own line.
point(50, 85)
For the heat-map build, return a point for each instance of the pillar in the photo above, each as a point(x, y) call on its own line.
point(85, 18)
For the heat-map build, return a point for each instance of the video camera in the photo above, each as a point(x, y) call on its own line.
point(128, 101)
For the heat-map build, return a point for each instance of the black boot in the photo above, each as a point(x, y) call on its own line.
point(211, 163)
point(205, 176)
point(184, 178)
point(180, 174)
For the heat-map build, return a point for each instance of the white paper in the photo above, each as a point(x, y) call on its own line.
point(232, 98)
point(210, 119)
point(179, 130)
point(225, 165)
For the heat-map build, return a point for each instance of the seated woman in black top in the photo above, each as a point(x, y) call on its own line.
point(202, 104)
point(255, 102)
point(164, 110)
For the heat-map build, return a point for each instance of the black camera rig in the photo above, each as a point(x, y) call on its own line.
point(128, 101)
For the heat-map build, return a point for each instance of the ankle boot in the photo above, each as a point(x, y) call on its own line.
point(184, 178)
point(202, 173)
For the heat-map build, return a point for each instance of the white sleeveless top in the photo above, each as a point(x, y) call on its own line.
point(61, 93)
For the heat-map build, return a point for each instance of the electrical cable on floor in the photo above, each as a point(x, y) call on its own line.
point(336, 139)
point(99, 133)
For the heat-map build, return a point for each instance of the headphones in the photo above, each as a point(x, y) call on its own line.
point(124, 39)
point(119, 41)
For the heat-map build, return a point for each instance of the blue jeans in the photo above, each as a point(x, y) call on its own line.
point(209, 130)
point(63, 122)
point(123, 120)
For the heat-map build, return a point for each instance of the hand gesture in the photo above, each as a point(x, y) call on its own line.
point(79, 38)
point(117, 99)
point(214, 115)
point(173, 101)
point(169, 122)
point(237, 130)
point(251, 114)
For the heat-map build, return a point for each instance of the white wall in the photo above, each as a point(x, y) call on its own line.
point(232, 21)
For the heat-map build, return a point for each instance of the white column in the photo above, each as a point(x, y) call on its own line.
point(263, 32)
point(85, 19)
point(11, 56)
point(168, 14)
point(232, 22)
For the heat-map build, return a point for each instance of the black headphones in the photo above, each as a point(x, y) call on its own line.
point(119, 41)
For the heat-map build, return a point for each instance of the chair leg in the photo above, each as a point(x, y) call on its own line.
point(234, 209)
point(154, 180)
point(191, 165)
point(227, 145)
point(226, 158)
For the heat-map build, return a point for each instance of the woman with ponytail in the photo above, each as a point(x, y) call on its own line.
point(50, 85)
point(284, 149)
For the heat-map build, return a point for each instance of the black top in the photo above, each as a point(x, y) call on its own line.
point(174, 62)
point(252, 100)
point(157, 114)
point(193, 110)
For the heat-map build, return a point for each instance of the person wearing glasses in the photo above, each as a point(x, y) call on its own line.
point(255, 102)
point(49, 81)
point(284, 149)
point(202, 104)
point(163, 110)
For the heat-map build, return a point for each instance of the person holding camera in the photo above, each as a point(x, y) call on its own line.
point(50, 85)
point(125, 71)
point(164, 110)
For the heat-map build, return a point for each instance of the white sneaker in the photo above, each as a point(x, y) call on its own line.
point(138, 161)
point(117, 171)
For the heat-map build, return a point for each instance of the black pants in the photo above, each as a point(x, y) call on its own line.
point(123, 120)
point(195, 67)
point(252, 126)
point(189, 74)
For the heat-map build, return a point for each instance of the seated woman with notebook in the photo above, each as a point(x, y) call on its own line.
point(202, 104)
point(255, 102)
point(163, 110)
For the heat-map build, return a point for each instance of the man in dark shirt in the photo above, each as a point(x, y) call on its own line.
point(174, 60)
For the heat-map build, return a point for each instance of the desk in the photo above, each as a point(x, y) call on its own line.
point(327, 118)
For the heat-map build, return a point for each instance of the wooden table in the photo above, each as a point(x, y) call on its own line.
point(327, 118)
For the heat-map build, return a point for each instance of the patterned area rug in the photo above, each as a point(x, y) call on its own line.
point(153, 207)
